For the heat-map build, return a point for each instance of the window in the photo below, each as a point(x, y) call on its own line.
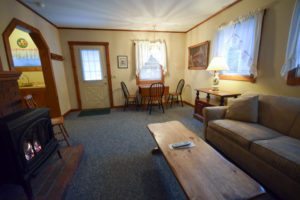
point(291, 67)
point(151, 70)
point(238, 42)
point(91, 64)
point(150, 61)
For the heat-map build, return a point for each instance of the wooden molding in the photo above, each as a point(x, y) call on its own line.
point(28, 69)
point(189, 104)
point(120, 106)
point(1, 67)
point(238, 78)
point(69, 111)
point(73, 61)
point(9, 75)
point(56, 57)
point(212, 16)
point(127, 30)
point(44, 52)
point(292, 79)
point(82, 43)
point(47, 20)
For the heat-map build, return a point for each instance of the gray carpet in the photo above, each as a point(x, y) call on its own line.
point(117, 163)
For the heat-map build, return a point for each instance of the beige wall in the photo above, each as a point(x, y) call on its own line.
point(272, 49)
point(12, 9)
point(121, 43)
point(271, 57)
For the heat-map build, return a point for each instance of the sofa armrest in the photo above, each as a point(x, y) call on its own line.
point(213, 113)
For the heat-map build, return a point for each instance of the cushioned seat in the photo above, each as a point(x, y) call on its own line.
point(242, 133)
point(283, 153)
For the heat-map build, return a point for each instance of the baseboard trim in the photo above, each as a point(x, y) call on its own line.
point(69, 111)
point(121, 106)
point(189, 104)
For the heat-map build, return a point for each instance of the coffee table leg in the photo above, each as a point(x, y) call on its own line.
point(155, 150)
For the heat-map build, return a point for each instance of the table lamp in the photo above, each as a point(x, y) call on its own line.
point(217, 64)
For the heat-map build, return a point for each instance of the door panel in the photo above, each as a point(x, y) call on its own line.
point(92, 76)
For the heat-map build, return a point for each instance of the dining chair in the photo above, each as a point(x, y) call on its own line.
point(177, 94)
point(129, 99)
point(56, 121)
point(156, 93)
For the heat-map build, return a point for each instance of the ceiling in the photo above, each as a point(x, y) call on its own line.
point(159, 15)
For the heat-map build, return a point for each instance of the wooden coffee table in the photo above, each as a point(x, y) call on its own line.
point(201, 171)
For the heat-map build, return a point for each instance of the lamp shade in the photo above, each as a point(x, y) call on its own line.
point(217, 64)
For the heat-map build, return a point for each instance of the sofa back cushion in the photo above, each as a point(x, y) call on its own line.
point(244, 108)
point(279, 113)
point(295, 130)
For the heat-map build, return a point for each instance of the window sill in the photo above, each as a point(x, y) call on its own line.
point(292, 79)
point(238, 78)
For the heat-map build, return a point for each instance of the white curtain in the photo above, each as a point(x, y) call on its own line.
point(238, 42)
point(145, 49)
point(292, 56)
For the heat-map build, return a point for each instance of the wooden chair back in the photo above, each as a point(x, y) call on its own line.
point(30, 103)
point(180, 86)
point(125, 90)
point(157, 90)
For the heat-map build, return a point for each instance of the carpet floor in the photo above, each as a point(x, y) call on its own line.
point(90, 112)
point(117, 161)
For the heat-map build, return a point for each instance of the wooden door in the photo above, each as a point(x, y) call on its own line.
point(91, 67)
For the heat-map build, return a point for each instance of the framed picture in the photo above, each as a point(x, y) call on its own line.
point(198, 56)
point(122, 62)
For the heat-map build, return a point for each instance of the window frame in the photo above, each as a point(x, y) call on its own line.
point(142, 82)
point(249, 78)
point(292, 79)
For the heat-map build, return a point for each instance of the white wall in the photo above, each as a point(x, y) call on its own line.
point(272, 49)
point(10, 9)
point(121, 43)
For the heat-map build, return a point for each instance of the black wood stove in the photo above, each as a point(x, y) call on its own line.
point(26, 141)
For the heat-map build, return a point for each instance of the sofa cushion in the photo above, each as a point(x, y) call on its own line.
point(278, 112)
point(242, 133)
point(243, 109)
point(283, 153)
point(295, 130)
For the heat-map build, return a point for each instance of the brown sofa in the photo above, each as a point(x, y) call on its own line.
point(268, 150)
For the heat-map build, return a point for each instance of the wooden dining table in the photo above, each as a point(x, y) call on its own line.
point(144, 92)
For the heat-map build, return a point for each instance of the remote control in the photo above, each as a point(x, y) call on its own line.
point(181, 144)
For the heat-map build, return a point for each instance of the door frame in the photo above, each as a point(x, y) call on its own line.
point(74, 68)
point(45, 57)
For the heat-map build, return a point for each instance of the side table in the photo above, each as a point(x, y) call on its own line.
point(201, 103)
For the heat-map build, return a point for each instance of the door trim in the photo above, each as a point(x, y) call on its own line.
point(74, 67)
